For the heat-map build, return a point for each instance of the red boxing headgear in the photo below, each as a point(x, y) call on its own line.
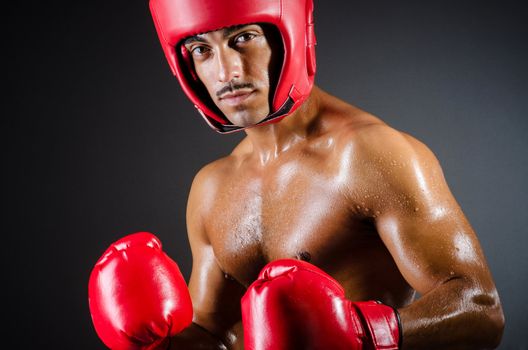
point(176, 20)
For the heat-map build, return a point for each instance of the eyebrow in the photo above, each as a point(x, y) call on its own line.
point(225, 33)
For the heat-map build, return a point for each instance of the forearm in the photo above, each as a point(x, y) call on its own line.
point(456, 315)
point(195, 337)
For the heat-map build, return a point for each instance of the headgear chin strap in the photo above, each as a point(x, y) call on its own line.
point(176, 20)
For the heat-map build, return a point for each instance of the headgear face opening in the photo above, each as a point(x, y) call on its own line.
point(176, 20)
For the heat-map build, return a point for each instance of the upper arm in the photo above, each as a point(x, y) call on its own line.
point(418, 218)
point(216, 300)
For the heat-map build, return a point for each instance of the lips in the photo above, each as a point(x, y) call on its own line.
point(236, 97)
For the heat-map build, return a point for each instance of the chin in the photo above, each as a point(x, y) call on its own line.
point(245, 119)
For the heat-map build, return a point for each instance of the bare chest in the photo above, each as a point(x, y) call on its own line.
point(293, 212)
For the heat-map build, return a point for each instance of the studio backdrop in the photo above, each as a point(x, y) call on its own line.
point(102, 142)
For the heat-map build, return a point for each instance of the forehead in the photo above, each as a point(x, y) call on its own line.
point(224, 32)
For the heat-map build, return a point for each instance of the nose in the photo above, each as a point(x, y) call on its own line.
point(229, 65)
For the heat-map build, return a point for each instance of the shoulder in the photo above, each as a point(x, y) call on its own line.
point(211, 177)
point(397, 172)
point(384, 144)
point(201, 197)
point(373, 139)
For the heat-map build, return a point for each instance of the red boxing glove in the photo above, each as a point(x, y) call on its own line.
point(137, 295)
point(295, 305)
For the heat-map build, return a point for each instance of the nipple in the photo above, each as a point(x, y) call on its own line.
point(304, 256)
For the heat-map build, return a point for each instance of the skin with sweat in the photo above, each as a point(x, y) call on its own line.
point(336, 186)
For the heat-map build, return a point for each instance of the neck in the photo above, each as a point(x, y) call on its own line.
point(270, 140)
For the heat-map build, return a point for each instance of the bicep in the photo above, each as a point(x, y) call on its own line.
point(431, 251)
point(216, 299)
point(423, 226)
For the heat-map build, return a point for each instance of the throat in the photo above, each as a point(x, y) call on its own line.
point(269, 141)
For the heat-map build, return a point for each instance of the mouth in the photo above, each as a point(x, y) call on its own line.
point(236, 97)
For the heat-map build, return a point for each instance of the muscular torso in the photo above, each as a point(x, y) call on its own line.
point(300, 207)
point(308, 203)
point(341, 196)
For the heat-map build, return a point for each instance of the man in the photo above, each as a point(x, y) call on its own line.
point(322, 208)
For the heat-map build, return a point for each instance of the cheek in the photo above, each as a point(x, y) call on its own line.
point(262, 69)
point(205, 76)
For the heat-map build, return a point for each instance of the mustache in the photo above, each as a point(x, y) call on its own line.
point(231, 87)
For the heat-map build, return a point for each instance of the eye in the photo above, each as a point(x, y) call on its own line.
point(198, 51)
point(244, 37)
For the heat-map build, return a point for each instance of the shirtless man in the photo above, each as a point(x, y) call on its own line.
point(318, 191)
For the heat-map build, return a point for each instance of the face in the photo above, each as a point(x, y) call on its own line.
point(237, 67)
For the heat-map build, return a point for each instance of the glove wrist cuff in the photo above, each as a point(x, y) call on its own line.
point(382, 324)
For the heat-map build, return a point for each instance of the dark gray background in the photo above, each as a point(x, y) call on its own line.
point(101, 141)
